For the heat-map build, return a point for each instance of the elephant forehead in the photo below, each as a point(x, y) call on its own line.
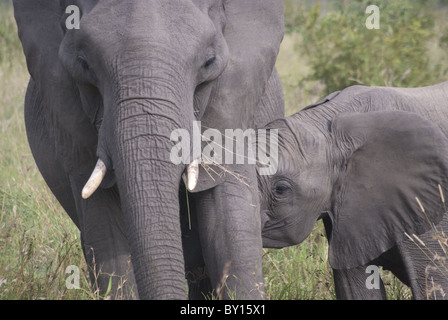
point(161, 22)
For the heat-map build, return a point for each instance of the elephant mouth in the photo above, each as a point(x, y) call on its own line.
point(280, 234)
point(271, 235)
point(273, 242)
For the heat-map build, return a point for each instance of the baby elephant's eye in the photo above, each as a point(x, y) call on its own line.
point(209, 62)
point(83, 63)
point(281, 188)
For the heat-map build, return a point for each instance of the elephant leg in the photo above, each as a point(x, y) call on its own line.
point(425, 265)
point(231, 237)
point(105, 243)
point(199, 285)
point(350, 284)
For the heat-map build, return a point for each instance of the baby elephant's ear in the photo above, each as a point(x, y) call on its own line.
point(398, 162)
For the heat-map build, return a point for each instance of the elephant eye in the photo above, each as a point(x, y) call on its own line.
point(281, 188)
point(209, 62)
point(83, 63)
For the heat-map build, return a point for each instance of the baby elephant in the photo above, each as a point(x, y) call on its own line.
point(372, 162)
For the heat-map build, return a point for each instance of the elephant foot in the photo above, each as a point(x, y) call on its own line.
point(199, 284)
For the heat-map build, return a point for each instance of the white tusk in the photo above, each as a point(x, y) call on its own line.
point(95, 179)
point(192, 174)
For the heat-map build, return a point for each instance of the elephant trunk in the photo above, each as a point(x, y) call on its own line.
point(149, 184)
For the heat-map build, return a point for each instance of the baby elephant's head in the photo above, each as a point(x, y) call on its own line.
point(293, 197)
point(370, 173)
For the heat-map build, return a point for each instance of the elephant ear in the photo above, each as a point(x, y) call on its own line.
point(40, 31)
point(398, 165)
point(253, 33)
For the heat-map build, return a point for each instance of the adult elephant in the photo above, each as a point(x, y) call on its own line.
point(110, 90)
point(372, 163)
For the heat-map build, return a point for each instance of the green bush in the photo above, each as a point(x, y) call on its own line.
point(342, 51)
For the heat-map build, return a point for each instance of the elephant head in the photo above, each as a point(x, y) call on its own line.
point(368, 173)
point(120, 81)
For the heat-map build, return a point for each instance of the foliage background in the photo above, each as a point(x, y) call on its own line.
point(326, 48)
point(409, 50)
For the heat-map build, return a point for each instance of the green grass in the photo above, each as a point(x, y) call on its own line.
point(38, 240)
point(300, 272)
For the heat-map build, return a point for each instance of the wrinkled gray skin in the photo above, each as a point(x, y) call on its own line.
point(358, 159)
point(115, 89)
